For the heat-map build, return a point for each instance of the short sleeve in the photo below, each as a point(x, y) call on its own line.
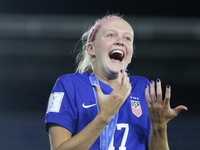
point(61, 107)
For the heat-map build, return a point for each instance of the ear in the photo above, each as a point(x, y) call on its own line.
point(90, 49)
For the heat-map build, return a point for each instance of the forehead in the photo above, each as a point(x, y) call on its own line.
point(116, 24)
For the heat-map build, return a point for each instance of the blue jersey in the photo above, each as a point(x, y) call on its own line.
point(72, 105)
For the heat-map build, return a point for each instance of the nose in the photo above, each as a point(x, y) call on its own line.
point(119, 42)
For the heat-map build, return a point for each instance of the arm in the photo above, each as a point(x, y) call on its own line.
point(160, 114)
point(62, 139)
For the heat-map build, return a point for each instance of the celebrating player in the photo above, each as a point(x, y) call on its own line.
point(102, 107)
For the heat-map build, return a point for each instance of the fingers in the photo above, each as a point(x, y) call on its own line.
point(98, 89)
point(159, 110)
point(148, 99)
point(159, 91)
point(167, 95)
point(123, 86)
point(156, 94)
point(153, 101)
point(122, 80)
point(178, 109)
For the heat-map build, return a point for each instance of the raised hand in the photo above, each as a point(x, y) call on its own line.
point(159, 110)
point(110, 104)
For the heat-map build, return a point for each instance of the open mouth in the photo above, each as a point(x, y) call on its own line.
point(116, 55)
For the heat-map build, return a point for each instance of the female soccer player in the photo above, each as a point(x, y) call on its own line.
point(101, 107)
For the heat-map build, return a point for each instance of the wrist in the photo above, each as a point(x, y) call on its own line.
point(102, 119)
point(161, 128)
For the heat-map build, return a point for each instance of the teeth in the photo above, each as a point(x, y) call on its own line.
point(117, 51)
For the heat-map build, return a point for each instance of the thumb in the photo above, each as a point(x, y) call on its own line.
point(98, 89)
point(178, 109)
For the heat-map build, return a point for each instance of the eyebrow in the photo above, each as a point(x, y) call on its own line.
point(126, 32)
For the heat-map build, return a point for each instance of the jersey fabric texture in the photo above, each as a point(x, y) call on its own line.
point(76, 107)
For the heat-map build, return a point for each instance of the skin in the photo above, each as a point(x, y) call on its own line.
point(116, 34)
point(61, 138)
point(160, 113)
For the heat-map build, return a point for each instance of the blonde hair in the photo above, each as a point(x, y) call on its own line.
point(83, 59)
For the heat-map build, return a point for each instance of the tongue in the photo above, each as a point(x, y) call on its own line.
point(115, 60)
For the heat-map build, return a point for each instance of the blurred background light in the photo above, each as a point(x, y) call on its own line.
point(39, 41)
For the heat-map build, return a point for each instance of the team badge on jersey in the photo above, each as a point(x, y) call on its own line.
point(136, 108)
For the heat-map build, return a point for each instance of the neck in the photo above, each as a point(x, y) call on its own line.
point(111, 81)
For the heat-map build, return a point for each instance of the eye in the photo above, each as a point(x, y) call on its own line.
point(127, 38)
point(110, 35)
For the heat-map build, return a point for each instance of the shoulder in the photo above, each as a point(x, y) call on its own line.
point(71, 82)
point(74, 77)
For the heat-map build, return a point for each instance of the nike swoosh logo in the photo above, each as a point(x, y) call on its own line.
point(88, 106)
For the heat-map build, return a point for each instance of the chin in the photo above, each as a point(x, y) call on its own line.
point(115, 71)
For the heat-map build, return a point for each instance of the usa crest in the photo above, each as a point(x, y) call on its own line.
point(136, 108)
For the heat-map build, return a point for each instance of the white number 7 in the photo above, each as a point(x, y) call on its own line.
point(122, 146)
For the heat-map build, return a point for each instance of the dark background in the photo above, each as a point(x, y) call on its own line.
point(37, 43)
